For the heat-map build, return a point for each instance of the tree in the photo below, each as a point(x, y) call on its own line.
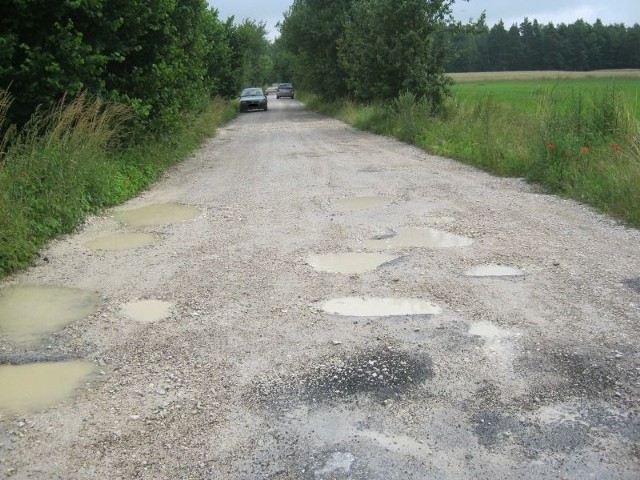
point(309, 34)
point(253, 62)
point(387, 48)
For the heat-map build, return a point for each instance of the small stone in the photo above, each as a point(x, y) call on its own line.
point(336, 342)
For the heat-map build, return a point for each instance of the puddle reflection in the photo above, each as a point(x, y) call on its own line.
point(349, 263)
point(379, 307)
point(121, 241)
point(147, 311)
point(29, 312)
point(157, 214)
point(420, 237)
point(28, 388)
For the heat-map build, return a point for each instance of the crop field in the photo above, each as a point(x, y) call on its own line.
point(524, 91)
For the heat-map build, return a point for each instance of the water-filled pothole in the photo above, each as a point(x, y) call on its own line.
point(379, 307)
point(494, 271)
point(157, 214)
point(28, 312)
point(121, 241)
point(420, 237)
point(32, 387)
point(147, 311)
point(360, 203)
point(349, 263)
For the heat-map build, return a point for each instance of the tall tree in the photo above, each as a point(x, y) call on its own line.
point(388, 48)
point(309, 33)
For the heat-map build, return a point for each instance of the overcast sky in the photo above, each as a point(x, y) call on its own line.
point(510, 11)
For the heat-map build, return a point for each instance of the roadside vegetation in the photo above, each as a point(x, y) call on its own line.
point(74, 160)
point(577, 138)
point(98, 98)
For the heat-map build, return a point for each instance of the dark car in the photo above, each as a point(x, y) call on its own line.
point(285, 90)
point(253, 99)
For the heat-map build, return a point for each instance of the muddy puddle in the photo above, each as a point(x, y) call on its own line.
point(360, 203)
point(157, 214)
point(147, 311)
point(121, 241)
point(29, 312)
point(379, 307)
point(494, 271)
point(421, 238)
point(349, 263)
point(33, 387)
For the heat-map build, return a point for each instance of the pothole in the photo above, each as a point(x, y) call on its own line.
point(421, 238)
point(29, 312)
point(360, 203)
point(33, 387)
point(383, 374)
point(157, 214)
point(493, 271)
point(349, 263)
point(633, 283)
point(147, 311)
point(495, 338)
point(121, 241)
point(379, 307)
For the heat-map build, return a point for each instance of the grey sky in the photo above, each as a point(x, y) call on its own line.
point(510, 11)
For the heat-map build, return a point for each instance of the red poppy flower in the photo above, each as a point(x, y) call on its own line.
point(584, 149)
point(615, 147)
point(551, 146)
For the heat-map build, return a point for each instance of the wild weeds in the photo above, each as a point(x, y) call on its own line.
point(73, 160)
point(584, 147)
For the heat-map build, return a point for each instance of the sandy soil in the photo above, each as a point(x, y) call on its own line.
point(524, 377)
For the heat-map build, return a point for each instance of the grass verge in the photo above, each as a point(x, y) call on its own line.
point(73, 161)
point(580, 146)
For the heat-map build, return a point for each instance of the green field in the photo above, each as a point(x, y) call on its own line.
point(524, 91)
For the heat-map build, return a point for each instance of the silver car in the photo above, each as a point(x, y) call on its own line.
point(285, 90)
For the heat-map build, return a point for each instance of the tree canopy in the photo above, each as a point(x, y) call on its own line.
point(366, 49)
point(159, 57)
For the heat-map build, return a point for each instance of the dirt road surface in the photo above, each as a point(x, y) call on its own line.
point(253, 374)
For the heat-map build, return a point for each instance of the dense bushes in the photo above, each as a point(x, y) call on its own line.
point(97, 97)
point(158, 57)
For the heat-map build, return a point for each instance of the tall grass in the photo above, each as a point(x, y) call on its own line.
point(582, 146)
point(74, 160)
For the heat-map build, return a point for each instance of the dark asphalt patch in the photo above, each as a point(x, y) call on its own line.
point(633, 284)
point(563, 374)
point(382, 374)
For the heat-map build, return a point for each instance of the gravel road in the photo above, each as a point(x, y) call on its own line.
point(251, 375)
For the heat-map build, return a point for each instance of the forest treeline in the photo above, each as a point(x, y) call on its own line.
point(579, 46)
point(160, 58)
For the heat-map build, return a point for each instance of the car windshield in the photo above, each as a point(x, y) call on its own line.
point(251, 92)
point(285, 85)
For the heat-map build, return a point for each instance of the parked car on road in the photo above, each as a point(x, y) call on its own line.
point(253, 99)
point(285, 90)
